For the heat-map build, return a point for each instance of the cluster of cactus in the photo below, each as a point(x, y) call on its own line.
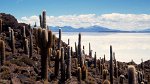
point(2, 52)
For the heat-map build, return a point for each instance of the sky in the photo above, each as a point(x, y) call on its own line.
point(115, 14)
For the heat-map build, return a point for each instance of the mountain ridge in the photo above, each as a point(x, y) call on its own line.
point(94, 29)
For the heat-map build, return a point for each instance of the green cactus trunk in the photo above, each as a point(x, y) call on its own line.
point(2, 52)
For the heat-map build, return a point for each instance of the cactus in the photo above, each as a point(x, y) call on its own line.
point(44, 19)
point(12, 41)
point(68, 41)
point(53, 42)
point(104, 58)
point(49, 56)
point(142, 64)
point(24, 32)
point(76, 50)
point(71, 52)
point(79, 50)
point(116, 67)
point(31, 45)
point(59, 41)
point(62, 65)
point(111, 66)
point(95, 63)
point(69, 64)
point(0, 25)
point(84, 72)
point(76, 62)
point(26, 49)
point(106, 82)
point(105, 72)
point(40, 17)
point(43, 45)
point(89, 49)
point(79, 74)
point(131, 75)
point(2, 52)
point(116, 70)
point(57, 63)
point(121, 79)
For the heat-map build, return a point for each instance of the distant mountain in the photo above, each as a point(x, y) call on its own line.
point(94, 29)
point(88, 29)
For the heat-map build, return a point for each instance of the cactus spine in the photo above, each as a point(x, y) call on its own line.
point(0, 25)
point(62, 65)
point(131, 75)
point(69, 64)
point(2, 52)
point(111, 66)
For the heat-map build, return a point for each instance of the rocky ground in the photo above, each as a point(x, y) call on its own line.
point(20, 69)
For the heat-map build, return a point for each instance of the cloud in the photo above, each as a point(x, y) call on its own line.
point(113, 20)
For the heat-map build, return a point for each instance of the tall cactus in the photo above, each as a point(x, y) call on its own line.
point(131, 75)
point(0, 25)
point(79, 50)
point(26, 49)
point(76, 50)
point(116, 66)
point(104, 58)
point(111, 66)
point(59, 41)
point(84, 72)
point(69, 64)
point(89, 49)
point(68, 41)
point(44, 19)
point(2, 52)
point(41, 24)
point(95, 63)
point(12, 41)
point(79, 74)
point(57, 63)
point(43, 45)
point(62, 65)
point(31, 45)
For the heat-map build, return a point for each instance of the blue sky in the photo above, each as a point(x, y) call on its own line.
point(21, 8)
point(56, 8)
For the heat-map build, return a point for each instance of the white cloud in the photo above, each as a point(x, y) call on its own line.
point(113, 20)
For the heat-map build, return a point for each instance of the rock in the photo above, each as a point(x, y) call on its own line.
point(15, 80)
